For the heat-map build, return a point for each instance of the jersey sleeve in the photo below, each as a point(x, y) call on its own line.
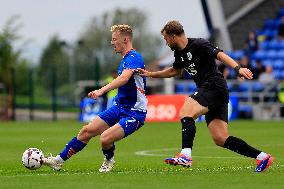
point(210, 49)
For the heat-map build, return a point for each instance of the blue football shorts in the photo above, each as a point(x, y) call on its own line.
point(129, 120)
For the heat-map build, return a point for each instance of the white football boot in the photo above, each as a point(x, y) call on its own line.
point(107, 165)
point(52, 163)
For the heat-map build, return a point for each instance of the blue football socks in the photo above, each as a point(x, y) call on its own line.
point(72, 148)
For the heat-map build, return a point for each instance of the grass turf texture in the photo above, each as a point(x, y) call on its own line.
point(213, 167)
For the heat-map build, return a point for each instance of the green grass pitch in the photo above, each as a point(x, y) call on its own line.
point(139, 158)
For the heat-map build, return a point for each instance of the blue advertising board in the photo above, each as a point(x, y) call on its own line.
point(90, 108)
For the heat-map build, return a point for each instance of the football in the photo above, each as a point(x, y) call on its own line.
point(32, 158)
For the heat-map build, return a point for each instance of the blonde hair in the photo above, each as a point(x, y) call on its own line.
point(124, 29)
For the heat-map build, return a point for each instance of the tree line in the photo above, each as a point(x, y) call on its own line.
point(91, 57)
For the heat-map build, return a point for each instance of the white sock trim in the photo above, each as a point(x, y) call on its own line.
point(261, 156)
point(186, 151)
point(58, 159)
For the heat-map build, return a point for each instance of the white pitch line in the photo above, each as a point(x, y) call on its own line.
point(50, 174)
point(155, 152)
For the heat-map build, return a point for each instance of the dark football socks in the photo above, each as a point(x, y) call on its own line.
point(188, 132)
point(109, 153)
point(241, 147)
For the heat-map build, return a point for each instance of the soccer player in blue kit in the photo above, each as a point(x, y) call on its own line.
point(197, 57)
point(122, 119)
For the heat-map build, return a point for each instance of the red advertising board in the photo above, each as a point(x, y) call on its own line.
point(164, 107)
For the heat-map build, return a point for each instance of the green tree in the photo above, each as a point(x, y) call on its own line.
point(53, 59)
point(97, 36)
point(22, 77)
point(9, 57)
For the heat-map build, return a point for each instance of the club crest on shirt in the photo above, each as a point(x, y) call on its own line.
point(189, 56)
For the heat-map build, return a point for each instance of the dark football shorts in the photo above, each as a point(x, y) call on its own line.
point(215, 96)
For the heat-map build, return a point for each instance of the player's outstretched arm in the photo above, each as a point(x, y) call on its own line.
point(242, 72)
point(117, 82)
point(166, 73)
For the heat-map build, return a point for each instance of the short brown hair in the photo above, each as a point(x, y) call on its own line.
point(124, 29)
point(173, 27)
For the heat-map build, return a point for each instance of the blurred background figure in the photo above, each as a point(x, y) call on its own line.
point(280, 29)
point(226, 73)
point(223, 69)
point(251, 43)
point(245, 62)
point(258, 69)
point(281, 92)
point(267, 77)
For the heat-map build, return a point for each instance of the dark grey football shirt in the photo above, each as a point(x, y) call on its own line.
point(198, 59)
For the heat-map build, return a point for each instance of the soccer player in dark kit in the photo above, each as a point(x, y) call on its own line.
point(197, 57)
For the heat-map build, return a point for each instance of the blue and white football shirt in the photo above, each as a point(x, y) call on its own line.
point(132, 94)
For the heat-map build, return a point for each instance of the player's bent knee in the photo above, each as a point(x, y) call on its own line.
point(106, 139)
point(189, 113)
point(85, 134)
point(186, 114)
point(219, 141)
